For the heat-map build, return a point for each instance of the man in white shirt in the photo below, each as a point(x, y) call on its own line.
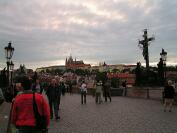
point(83, 92)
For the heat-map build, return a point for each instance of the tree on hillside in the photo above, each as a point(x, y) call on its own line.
point(116, 70)
point(3, 79)
point(80, 72)
point(69, 70)
point(101, 76)
point(47, 70)
point(171, 68)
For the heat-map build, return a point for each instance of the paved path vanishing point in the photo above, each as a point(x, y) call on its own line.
point(122, 115)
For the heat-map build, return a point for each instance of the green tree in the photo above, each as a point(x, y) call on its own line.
point(80, 72)
point(48, 71)
point(101, 76)
point(115, 82)
point(69, 70)
point(171, 68)
point(42, 71)
point(3, 79)
point(126, 70)
point(116, 70)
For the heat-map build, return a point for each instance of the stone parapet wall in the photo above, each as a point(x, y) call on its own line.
point(145, 92)
point(138, 92)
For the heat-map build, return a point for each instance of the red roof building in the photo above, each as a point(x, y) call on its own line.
point(130, 78)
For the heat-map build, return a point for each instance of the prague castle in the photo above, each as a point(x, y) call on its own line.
point(74, 64)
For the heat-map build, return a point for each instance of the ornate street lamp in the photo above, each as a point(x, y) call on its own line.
point(163, 55)
point(9, 50)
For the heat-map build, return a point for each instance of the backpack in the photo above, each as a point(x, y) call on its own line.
point(40, 119)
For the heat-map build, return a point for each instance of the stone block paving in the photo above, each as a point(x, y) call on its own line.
point(4, 116)
point(122, 115)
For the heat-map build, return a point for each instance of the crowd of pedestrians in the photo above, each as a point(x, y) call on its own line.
point(30, 104)
point(100, 91)
point(31, 111)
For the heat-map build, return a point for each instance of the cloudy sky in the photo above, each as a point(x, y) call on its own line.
point(45, 32)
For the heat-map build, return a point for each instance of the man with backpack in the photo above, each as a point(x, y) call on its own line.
point(23, 113)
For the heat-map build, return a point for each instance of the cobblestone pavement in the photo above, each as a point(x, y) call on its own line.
point(4, 116)
point(122, 115)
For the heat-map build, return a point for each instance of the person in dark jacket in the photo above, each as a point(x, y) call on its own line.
point(62, 86)
point(53, 93)
point(124, 85)
point(169, 96)
point(70, 87)
point(22, 115)
point(107, 90)
point(59, 92)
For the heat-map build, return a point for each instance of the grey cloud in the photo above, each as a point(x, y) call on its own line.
point(49, 31)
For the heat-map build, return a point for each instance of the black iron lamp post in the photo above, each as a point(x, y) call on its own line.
point(9, 50)
point(163, 55)
point(11, 68)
